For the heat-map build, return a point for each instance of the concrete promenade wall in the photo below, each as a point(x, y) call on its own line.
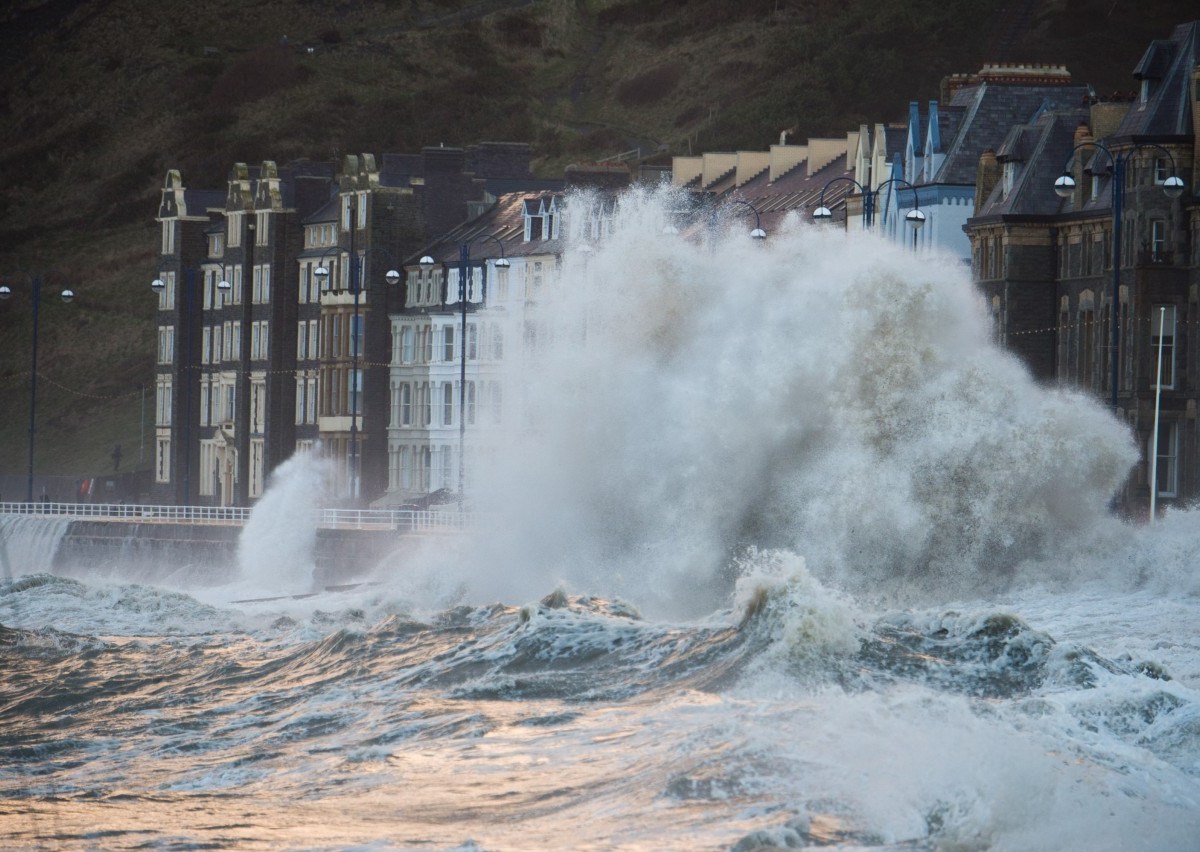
point(209, 552)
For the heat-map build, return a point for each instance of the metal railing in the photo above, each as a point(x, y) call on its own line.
point(405, 520)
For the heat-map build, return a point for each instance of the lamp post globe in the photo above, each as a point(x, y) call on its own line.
point(1064, 186)
point(157, 285)
point(1173, 186)
point(68, 295)
point(5, 292)
point(915, 218)
point(822, 213)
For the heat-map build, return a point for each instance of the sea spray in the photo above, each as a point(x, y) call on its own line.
point(28, 543)
point(275, 550)
point(777, 596)
point(827, 393)
point(820, 396)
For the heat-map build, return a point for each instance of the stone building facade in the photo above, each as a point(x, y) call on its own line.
point(257, 354)
point(1055, 281)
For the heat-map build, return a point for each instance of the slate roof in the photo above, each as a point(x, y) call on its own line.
point(505, 221)
point(1039, 150)
point(894, 136)
point(950, 119)
point(922, 121)
point(307, 168)
point(200, 200)
point(503, 186)
point(397, 169)
point(989, 112)
point(797, 190)
point(1167, 65)
point(296, 170)
point(327, 212)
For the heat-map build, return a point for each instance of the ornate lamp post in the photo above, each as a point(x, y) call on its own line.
point(464, 271)
point(35, 283)
point(758, 233)
point(1064, 186)
point(914, 217)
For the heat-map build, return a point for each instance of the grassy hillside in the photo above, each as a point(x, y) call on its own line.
point(98, 99)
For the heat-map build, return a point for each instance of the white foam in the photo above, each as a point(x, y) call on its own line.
point(275, 550)
point(28, 543)
point(823, 392)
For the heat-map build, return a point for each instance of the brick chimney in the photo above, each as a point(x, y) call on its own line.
point(1106, 117)
point(1083, 135)
point(445, 192)
point(987, 175)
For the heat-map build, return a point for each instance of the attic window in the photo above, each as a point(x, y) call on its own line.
point(1010, 176)
point(1144, 93)
point(534, 212)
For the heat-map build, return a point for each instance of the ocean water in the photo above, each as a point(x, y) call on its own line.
point(791, 556)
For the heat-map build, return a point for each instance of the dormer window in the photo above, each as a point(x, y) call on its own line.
point(533, 220)
point(1010, 176)
point(1144, 93)
point(541, 219)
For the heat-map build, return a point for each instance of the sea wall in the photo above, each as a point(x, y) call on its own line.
point(205, 552)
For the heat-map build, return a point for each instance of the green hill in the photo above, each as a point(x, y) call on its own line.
point(100, 98)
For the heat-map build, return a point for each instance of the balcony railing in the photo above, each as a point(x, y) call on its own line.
point(400, 520)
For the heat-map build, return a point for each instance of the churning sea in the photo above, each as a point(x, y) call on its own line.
point(806, 562)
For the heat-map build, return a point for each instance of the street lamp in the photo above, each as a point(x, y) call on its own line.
point(758, 233)
point(356, 337)
point(1064, 186)
point(464, 267)
point(914, 217)
point(36, 292)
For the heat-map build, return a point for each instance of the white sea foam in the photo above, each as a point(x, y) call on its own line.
point(822, 392)
point(28, 543)
point(784, 432)
point(275, 550)
point(911, 764)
